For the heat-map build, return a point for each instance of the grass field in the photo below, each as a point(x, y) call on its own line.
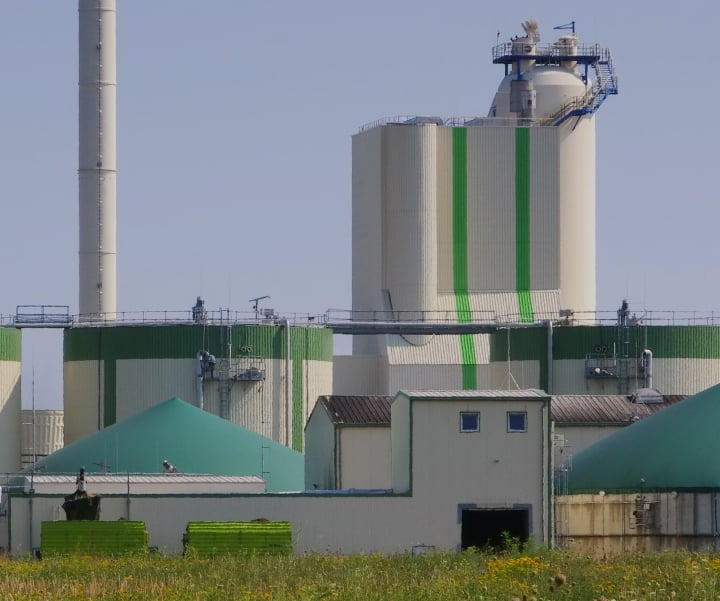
point(442, 576)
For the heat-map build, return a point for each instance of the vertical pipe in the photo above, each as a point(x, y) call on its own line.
point(97, 159)
point(549, 356)
point(647, 365)
point(199, 379)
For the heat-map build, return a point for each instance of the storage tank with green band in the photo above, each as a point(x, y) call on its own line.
point(607, 359)
point(10, 404)
point(257, 380)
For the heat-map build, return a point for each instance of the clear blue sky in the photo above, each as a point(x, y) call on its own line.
point(235, 119)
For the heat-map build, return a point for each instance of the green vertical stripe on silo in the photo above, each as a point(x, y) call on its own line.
point(469, 371)
point(10, 344)
point(522, 223)
point(460, 254)
point(298, 354)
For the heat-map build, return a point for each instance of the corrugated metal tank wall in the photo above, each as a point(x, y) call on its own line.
point(473, 209)
point(410, 221)
point(576, 214)
point(42, 434)
point(437, 365)
point(10, 399)
point(112, 373)
point(686, 359)
point(367, 229)
point(410, 218)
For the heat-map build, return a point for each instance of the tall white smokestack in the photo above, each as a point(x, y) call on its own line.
point(97, 159)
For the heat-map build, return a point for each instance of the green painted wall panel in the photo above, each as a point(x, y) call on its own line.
point(523, 344)
point(665, 342)
point(10, 344)
point(184, 341)
point(577, 341)
point(109, 392)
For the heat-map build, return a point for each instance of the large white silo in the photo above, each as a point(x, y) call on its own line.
point(498, 211)
point(395, 273)
point(97, 159)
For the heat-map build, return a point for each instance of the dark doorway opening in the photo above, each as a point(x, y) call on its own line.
point(483, 528)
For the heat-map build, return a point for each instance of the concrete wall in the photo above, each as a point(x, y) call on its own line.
point(364, 458)
point(357, 374)
point(615, 523)
point(320, 451)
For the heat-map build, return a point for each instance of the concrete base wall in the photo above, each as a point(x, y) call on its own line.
point(615, 523)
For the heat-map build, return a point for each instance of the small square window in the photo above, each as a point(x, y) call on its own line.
point(469, 422)
point(517, 421)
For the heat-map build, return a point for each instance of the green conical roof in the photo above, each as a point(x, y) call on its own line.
point(677, 449)
point(191, 439)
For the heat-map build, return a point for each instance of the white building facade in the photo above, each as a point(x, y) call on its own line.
point(466, 467)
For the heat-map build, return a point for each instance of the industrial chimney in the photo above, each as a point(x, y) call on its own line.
point(97, 160)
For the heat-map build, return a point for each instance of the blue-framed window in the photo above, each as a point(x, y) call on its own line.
point(469, 421)
point(517, 421)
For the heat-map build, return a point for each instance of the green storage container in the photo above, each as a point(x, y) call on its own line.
point(217, 538)
point(81, 537)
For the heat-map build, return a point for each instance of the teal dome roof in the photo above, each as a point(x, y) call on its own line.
point(677, 449)
point(191, 439)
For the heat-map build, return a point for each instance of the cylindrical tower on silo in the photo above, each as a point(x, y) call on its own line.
point(97, 159)
point(400, 255)
point(10, 402)
point(256, 380)
point(563, 99)
point(496, 213)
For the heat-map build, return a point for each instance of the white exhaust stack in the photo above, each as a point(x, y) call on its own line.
point(97, 159)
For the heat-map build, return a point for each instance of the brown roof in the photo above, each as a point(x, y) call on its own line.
point(567, 409)
point(357, 410)
point(604, 409)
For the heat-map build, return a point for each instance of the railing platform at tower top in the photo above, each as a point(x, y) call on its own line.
point(336, 317)
point(572, 104)
point(590, 55)
point(549, 54)
point(44, 316)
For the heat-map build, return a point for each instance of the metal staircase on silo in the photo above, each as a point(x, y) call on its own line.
point(605, 84)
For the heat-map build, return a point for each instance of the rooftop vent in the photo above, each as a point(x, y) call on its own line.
point(420, 120)
point(646, 396)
